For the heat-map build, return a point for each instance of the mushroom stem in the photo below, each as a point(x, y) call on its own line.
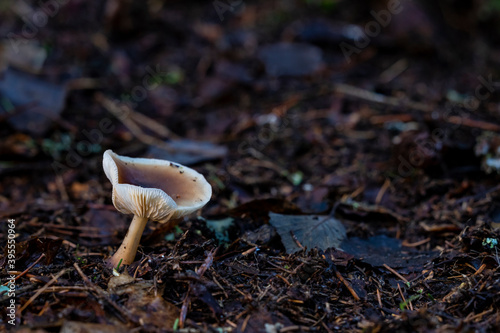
point(128, 249)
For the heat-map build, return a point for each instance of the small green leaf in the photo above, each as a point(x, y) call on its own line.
point(412, 298)
point(491, 242)
point(296, 178)
point(4, 289)
point(176, 324)
point(119, 263)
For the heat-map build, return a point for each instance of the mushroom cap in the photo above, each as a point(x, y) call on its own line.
point(159, 190)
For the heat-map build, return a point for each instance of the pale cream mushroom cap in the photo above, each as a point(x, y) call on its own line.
point(158, 190)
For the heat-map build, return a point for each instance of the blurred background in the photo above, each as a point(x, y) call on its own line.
point(312, 101)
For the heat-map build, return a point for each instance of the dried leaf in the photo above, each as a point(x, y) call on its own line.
point(381, 249)
point(29, 251)
point(312, 231)
point(291, 59)
point(144, 301)
point(39, 102)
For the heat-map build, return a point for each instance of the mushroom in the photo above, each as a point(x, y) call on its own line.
point(151, 189)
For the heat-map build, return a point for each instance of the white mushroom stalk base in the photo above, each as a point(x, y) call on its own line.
point(127, 251)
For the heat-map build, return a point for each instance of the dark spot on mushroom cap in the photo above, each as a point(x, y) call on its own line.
point(154, 176)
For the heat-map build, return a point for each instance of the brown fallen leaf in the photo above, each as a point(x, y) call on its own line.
point(144, 301)
point(40, 102)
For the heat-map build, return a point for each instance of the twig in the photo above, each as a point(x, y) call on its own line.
point(402, 296)
point(477, 196)
point(207, 264)
point(354, 194)
point(479, 270)
point(102, 294)
point(296, 240)
point(84, 277)
point(26, 270)
point(348, 285)
point(152, 125)
point(394, 70)
point(326, 327)
point(396, 273)
point(30, 267)
point(41, 290)
point(139, 266)
point(486, 126)
point(382, 191)
point(123, 114)
point(200, 271)
point(281, 268)
point(420, 242)
point(184, 308)
point(385, 118)
point(179, 243)
point(355, 92)
point(479, 315)
point(55, 289)
point(247, 252)
point(284, 279)
point(379, 299)
point(369, 96)
point(245, 323)
point(220, 286)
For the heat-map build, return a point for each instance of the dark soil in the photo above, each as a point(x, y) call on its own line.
point(382, 115)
